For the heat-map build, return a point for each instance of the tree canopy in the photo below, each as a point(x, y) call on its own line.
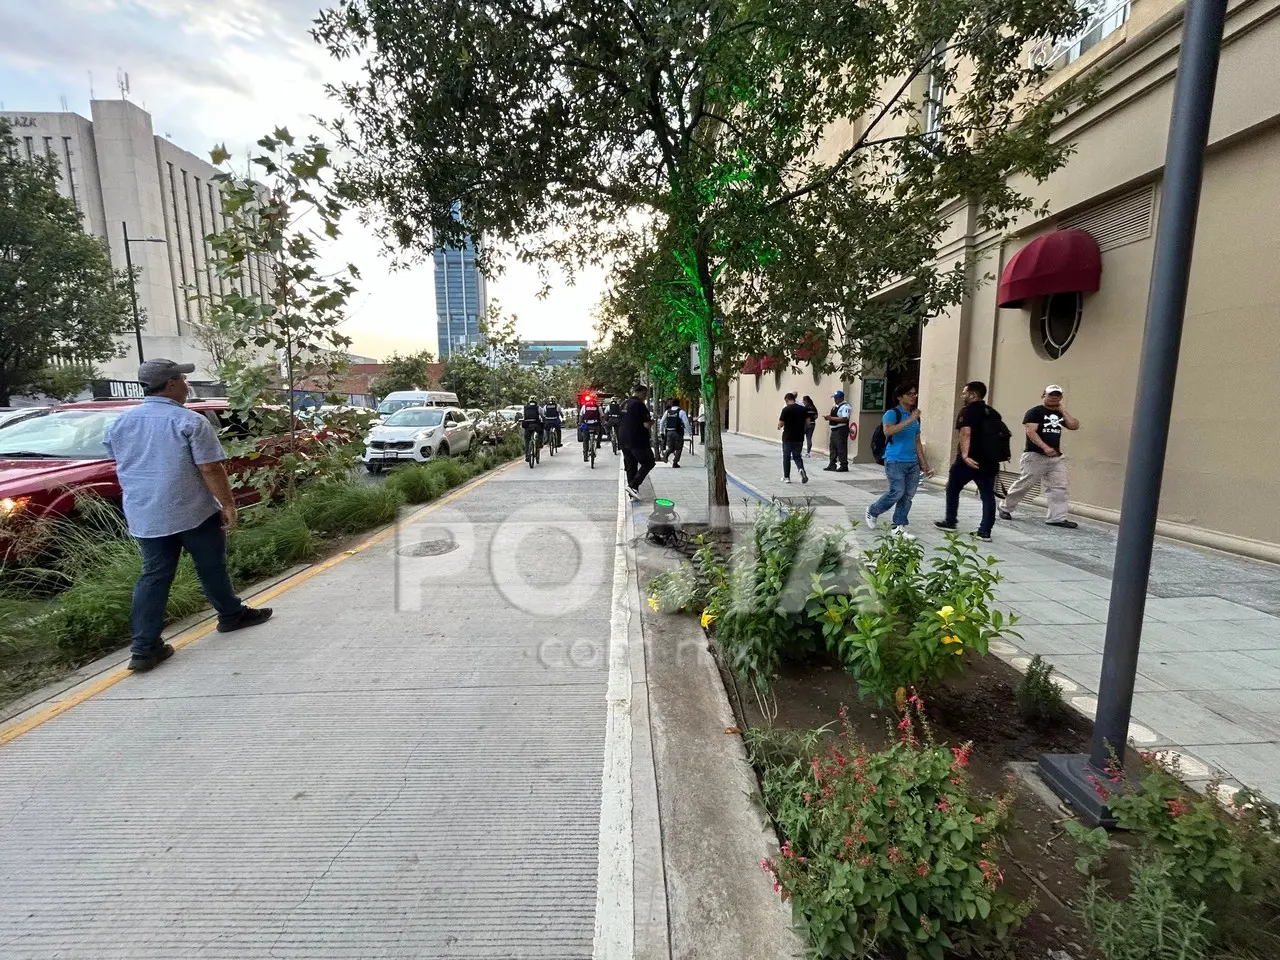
point(412, 372)
point(772, 167)
point(60, 300)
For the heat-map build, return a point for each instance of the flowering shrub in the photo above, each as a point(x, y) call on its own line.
point(905, 623)
point(886, 851)
point(1226, 854)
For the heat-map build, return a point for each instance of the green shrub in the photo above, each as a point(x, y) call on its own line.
point(342, 507)
point(888, 852)
point(1226, 855)
point(761, 606)
point(1039, 696)
point(451, 471)
point(900, 622)
point(92, 615)
point(268, 542)
point(696, 585)
point(1152, 924)
point(1092, 845)
point(417, 484)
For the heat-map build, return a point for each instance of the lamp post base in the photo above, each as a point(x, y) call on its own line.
point(1069, 776)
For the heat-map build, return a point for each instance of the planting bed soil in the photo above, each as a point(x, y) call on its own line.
point(977, 705)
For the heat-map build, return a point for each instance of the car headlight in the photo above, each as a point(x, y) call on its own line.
point(11, 505)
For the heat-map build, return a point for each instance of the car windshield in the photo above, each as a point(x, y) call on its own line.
point(73, 434)
point(416, 417)
point(391, 406)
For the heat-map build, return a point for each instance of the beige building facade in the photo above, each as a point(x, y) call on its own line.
point(1220, 475)
point(118, 173)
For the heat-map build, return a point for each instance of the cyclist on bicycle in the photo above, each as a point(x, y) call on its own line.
point(533, 422)
point(614, 413)
point(552, 418)
point(590, 420)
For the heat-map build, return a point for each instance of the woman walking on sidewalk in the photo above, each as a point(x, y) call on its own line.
point(811, 414)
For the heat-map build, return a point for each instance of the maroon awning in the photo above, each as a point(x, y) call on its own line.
point(751, 365)
point(1065, 261)
point(767, 363)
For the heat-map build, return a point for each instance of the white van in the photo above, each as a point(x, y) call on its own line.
point(399, 399)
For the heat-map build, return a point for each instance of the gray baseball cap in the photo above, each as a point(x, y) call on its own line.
point(156, 373)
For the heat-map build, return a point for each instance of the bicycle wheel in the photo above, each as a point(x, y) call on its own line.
point(593, 456)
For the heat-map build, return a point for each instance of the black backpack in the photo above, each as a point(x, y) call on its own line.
point(992, 441)
point(879, 441)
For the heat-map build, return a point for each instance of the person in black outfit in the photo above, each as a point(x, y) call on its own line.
point(633, 436)
point(811, 409)
point(792, 422)
point(972, 462)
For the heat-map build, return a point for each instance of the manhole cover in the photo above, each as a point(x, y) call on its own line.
point(428, 548)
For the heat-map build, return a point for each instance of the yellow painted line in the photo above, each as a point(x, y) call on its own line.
point(192, 634)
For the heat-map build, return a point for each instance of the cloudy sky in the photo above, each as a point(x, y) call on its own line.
point(213, 71)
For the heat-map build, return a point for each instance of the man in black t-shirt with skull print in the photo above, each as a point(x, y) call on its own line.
point(1042, 460)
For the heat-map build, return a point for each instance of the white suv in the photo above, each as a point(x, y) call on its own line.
point(416, 434)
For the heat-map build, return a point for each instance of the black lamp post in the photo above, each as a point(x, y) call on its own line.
point(1070, 775)
point(133, 287)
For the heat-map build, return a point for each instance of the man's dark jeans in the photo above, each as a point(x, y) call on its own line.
point(637, 460)
point(207, 545)
point(675, 446)
point(791, 451)
point(985, 480)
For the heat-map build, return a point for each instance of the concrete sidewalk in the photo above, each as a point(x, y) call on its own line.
point(1209, 673)
point(404, 762)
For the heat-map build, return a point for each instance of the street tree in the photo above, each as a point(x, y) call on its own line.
point(791, 160)
point(412, 372)
point(60, 301)
point(278, 213)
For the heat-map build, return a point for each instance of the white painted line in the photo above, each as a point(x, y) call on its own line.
point(615, 894)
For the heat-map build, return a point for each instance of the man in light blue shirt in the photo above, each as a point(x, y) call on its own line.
point(672, 427)
point(176, 495)
point(903, 460)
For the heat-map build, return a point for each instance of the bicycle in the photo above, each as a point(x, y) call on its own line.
point(553, 439)
point(589, 443)
point(613, 437)
point(532, 448)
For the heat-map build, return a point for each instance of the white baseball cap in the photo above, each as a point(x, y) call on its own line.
point(1053, 388)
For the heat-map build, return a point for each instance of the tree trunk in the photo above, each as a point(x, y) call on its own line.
point(713, 449)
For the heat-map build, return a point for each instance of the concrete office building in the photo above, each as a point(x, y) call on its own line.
point(1069, 294)
point(461, 297)
point(119, 172)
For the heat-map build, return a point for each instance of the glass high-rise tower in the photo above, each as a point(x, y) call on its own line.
point(460, 298)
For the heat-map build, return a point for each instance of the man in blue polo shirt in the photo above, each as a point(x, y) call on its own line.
point(176, 496)
point(904, 459)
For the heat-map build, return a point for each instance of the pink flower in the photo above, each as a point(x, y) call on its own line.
point(1178, 807)
point(806, 796)
point(977, 819)
point(922, 869)
point(1099, 789)
point(895, 855)
point(944, 806)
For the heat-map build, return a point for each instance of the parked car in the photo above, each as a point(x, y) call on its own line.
point(491, 427)
point(416, 434)
point(50, 461)
point(399, 399)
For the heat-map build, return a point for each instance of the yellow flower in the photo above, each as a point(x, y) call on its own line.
point(653, 603)
point(707, 617)
point(952, 640)
point(833, 616)
point(946, 612)
point(959, 650)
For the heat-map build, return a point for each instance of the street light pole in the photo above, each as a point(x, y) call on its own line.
point(133, 286)
point(1070, 775)
point(133, 290)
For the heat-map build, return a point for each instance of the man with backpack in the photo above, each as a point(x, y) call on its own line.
point(672, 427)
point(984, 445)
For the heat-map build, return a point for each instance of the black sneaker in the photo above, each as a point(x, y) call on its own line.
point(842, 469)
point(830, 466)
point(945, 524)
point(1064, 524)
point(984, 537)
point(142, 664)
point(1006, 515)
point(675, 466)
point(804, 477)
point(251, 617)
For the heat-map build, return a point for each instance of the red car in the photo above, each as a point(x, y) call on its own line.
point(48, 461)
